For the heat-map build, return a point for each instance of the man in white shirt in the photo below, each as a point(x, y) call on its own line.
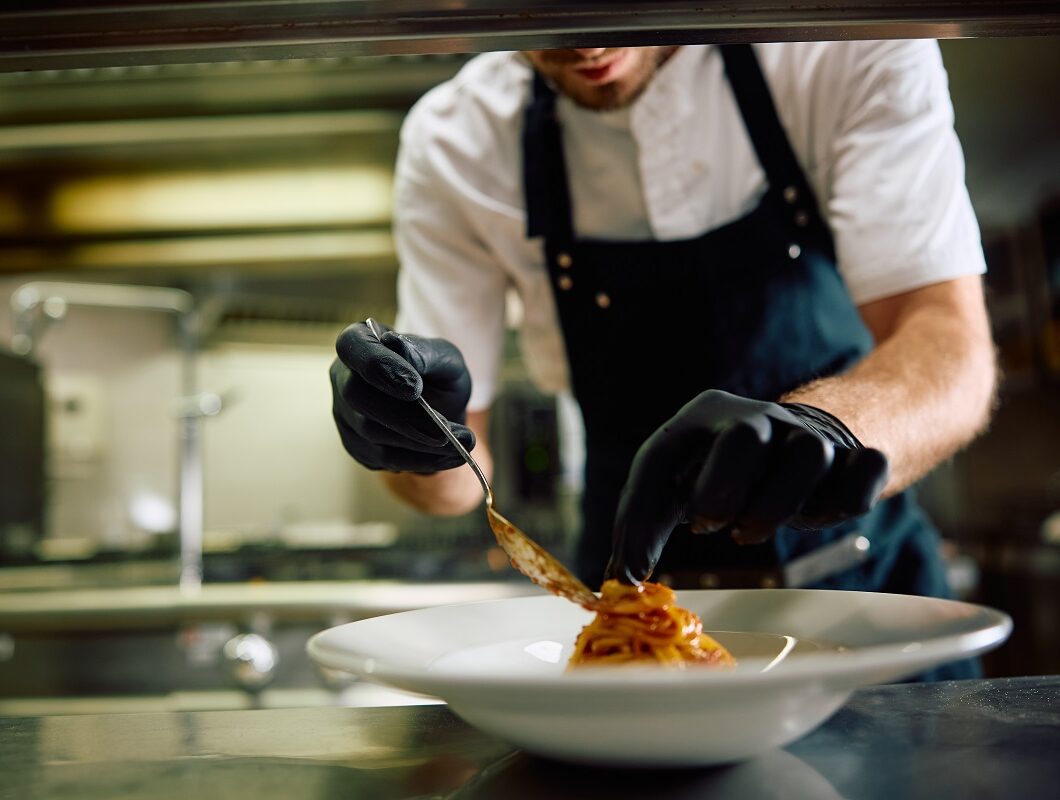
point(757, 267)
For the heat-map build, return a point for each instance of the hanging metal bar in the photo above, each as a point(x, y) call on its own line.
point(97, 33)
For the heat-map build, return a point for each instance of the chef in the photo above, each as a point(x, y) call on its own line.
point(756, 267)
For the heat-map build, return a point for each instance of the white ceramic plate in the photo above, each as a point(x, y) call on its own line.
point(801, 652)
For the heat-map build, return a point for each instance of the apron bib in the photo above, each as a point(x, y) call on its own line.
point(755, 307)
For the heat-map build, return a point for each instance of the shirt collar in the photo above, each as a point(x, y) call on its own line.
point(667, 101)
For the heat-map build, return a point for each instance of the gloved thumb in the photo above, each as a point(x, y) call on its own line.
point(652, 503)
point(381, 367)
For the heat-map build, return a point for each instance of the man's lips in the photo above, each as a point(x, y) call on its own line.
point(601, 72)
point(594, 73)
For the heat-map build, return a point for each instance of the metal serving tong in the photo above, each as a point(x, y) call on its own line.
point(526, 555)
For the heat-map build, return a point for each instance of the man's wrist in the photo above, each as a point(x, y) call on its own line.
point(448, 493)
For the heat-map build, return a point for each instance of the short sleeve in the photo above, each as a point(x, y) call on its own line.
point(449, 285)
point(896, 198)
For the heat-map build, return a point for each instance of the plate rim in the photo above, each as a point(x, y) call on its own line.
point(834, 667)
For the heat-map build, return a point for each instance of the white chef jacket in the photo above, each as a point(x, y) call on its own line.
point(870, 122)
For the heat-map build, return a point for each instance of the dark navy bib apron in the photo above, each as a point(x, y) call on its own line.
point(756, 308)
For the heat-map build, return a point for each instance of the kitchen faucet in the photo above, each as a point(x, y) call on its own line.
point(39, 304)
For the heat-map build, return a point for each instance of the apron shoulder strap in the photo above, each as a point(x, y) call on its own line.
point(548, 204)
point(761, 121)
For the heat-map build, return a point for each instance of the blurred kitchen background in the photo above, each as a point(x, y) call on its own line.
point(180, 245)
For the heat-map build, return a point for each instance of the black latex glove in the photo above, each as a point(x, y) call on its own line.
point(374, 387)
point(728, 463)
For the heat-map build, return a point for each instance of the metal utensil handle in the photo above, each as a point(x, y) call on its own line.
point(439, 420)
point(833, 558)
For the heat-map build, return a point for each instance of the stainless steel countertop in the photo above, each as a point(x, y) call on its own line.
point(994, 738)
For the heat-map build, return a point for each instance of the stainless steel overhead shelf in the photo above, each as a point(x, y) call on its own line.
point(106, 33)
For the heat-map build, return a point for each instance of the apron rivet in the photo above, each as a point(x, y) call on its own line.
point(791, 194)
point(564, 260)
point(801, 218)
point(794, 251)
point(603, 300)
point(709, 580)
point(769, 582)
point(565, 283)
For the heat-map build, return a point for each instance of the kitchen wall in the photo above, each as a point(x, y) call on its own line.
point(111, 378)
point(272, 460)
point(258, 137)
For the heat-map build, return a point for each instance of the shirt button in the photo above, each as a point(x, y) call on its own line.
point(603, 300)
point(791, 194)
point(564, 260)
point(794, 251)
point(802, 219)
point(565, 282)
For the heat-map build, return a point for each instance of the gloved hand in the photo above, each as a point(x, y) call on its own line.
point(374, 386)
point(726, 462)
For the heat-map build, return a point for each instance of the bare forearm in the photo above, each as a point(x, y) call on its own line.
point(926, 390)
point(454, 491)
point(450, 493)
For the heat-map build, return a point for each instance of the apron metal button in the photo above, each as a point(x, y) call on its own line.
point(801, 218)
point(791, 194)
point(794, 251)
point(565, 282)
point(603, 300)
point(564, 260)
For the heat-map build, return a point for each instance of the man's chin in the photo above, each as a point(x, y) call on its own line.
point(625, 75)
point(608, 97)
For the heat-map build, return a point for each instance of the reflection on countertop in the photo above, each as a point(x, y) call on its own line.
point(959, 738)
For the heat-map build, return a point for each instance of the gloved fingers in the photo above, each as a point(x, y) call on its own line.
point(796, 464)
point(357, 399)
point(446, 380)
point(642, 527)
point(851, 487)
point(394, 459)
point(378, 365)
point(652, 501)
point(397, 460)
point(736, 460)
point(379, 434)
point(437, 360)
point(863, 478)
point(637, 547)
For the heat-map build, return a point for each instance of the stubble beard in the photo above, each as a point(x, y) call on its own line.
point(609, 96)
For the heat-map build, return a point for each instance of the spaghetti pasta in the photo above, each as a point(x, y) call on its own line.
point(638, 624)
